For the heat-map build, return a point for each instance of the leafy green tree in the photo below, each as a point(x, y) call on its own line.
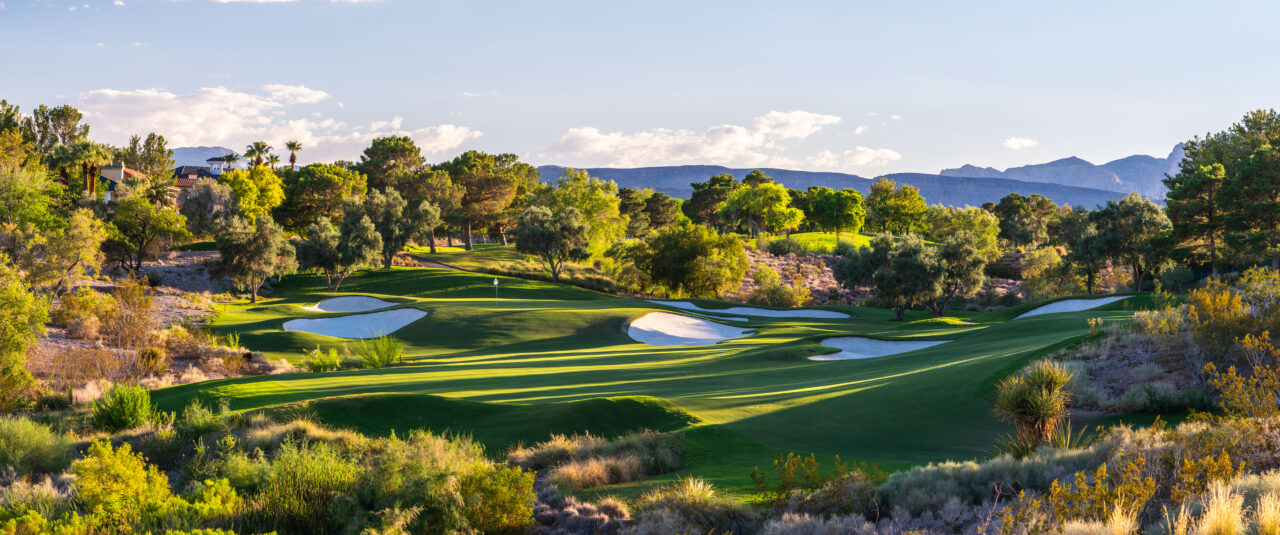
point(1127, 230)
point(692, 261)
point(834, 211)
point(895, 209)
point(595, 200)
point(631, 205)
point(49, 127)
point(661, 210)
point(251, 253)
point(16, 152)
point(139, 231)
point(756, 178)
point(1024, 221)
point(554, 237)
point(436, 187)
point(961, 261)
point(946, 221)
point(1255, 218)
point(1195, 208)
point(388, 159)
point(489, 184)
point(62, 259)
point(1074, 229)
point(764, 206)
point(315, 191)
point(23, 316)
point(704, 203)
point(206, 204)
point(150, 156)
point(337, 253)
point(396, 222)
point(258, 190)
point(904, 273)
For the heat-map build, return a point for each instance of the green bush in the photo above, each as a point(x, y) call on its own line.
point(31, 448)
point(319, 361)
point(498, 500)
point(305, 488)
point(381, 352)
point(198, 419)
point(784, 246)
point(693, 506)
point(122, 407)
point(845, 248)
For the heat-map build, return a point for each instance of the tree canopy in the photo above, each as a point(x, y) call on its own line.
point(258, 190)
point(764, 206)
point(554, 237)
point(895, 209)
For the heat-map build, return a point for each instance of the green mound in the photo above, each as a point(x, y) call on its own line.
point(496, 425)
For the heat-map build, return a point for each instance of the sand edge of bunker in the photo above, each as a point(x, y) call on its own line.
point(349, 303)
point(1072, 305)
point(357, 326)
point(861, 347)
point(809, 313)
point(665, 329)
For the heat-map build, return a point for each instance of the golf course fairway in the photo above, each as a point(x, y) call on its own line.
point(516, 363)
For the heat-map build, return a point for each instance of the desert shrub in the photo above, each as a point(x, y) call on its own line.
point(1218, 317)
point(82, 303)
point(1035, 400)
point(122, 407)
point(381, 352)
point(151, 361)
point(83, 328)
point(189, 341)
point(770, 291)
point(197, 418)
point(1175, 278)
point(27, 447)
point(304, 487)
point(845, 248)
point(849, 493)
point(786, 246)
point(42, 497)
point(691, 506)
point(801, 524)
point(559, 449)
point(73, 368)
point(118, 485)
point(658, 453)
point(131, 320)
point(320, 361)
point(596, 472)
point(498, 500)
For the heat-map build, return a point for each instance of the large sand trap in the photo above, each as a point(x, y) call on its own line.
point(352, 303)
point(760, 312)
point(665, 329)
point(358, 326)
point(857, 347)
point(1072, 305)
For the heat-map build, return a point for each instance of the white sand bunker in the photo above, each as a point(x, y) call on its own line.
point(665, 329)
point(857, 347)
point(358, 326)
point(760, 312)
point(1072, 305)
point(352, 303)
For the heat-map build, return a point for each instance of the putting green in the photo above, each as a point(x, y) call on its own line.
point(541, 358)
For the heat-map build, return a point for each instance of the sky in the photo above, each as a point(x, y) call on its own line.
point(861, 87)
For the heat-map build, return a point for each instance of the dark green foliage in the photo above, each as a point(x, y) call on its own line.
point(1024, 221)
point(553, 238)
point(835, 211)
point(905, 274)
point(692, 260)
point(206, 205)
point(785, 246)
point(140, 231)
point(703, 203)
point(31, 448)
point(895, 209)
point(1127, 231)
point(122, 407)
point(253, 253)
point(315, 191)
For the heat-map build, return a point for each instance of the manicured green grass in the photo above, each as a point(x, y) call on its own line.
point(505, 260)
point(541, 358)
point(825, 242)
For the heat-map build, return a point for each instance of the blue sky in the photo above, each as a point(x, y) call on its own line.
point(861, 87)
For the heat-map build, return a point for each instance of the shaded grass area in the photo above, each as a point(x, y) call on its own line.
point(542, 358)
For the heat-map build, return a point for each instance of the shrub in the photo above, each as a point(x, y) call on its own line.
point(319, 361)
point(82, 304)
point(691, 503)
point(119, 484)
point(303, 487)
point(770, 291)
point(83, 328)
point(381, 352)
point(1218, 317)
point(122, 407)
point(798, 524)
point(845, 248)
point(498, 500)
point(152, 361)
point(1034, 400)
point(785, 246)
point(29, 448)
point(73, 368)
point(198, 419)
point(596, 472)
point(131, 321)
point(658, 453)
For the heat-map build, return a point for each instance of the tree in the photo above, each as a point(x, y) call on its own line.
point(756, 178)
point(139, 230)
point(258, 190)
point(596, 201)
point(691, 260)
point(904, 273)
point(894, 209)
point(961, 260)
point(834, 211)
point(662, 210)
point(489, 184)
point(1126, 232)
point(22, 318)
point(1195, 209)
point(1025, 220)
point(704, 203)
point(272, 161)
point(293, 147)
point(86, 156)
point(389, 158)
point(1255, 218)
point(257, 153)
point(315, 191)
point(62, 259)
point(48, 127)
point(151, 156)
point(764, 206)
point(206, 204)
point(555, 238)
point(339, 253)
point(230, 160)
point(16, 152)
point(1075, 230)
point(396, 222)
point(253, 253)
point(946, 221)
point(434, 186)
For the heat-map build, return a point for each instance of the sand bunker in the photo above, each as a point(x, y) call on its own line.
point(353, 303)
point(358, 326)
point(1072, 305)
point(760, 312)
point(857, 347)
point(665, 329)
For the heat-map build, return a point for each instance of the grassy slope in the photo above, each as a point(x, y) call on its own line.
point(532, 360)
point(826, 241)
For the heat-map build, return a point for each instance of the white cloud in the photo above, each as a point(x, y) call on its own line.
point(754, 145)
point(896, 117)
point(141, 43)
point(99, 45)
point(855, 157)
point(861, 129)
point(221, 116)
point(1018, 143)
point(118, 3)
point(473, 94)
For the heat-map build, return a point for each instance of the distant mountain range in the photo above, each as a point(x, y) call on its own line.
point(1070, 180)
point(1140, 173)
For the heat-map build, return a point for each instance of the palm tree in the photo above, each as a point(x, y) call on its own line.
point(272, 160)
point(1034, 401)
point(293, 147)
point(257, 151)
point(88, 155)
point(230, 159)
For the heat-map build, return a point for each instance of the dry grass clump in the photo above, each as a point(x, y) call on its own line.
point(597, 472)
point(558, 449)
point(556, 514)
point(586, 461)
point(84, 328)
point(800, 524)
point(262, 432)
point(691, 506)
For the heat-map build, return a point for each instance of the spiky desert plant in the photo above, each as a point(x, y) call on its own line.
point(1034, 401)
point(1223, 512)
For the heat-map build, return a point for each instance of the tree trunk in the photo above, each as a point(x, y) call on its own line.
point(1088, 282)
point(466, 238)
point(897, 313)
point(555, 271)
point(448, 234)
point(502, 234)
point(431, 235)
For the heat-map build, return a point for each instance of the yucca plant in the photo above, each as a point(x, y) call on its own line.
point(1034, 401)
point(381, 352)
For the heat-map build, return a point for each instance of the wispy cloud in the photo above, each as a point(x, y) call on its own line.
point(853, 158)
point(1019, 143)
